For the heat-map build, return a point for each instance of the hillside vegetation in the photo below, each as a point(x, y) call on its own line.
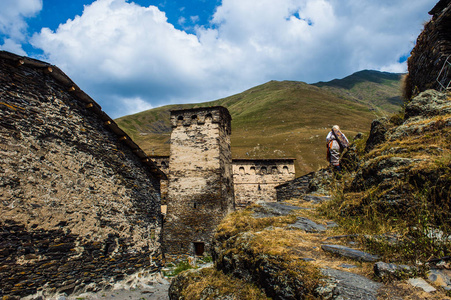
point(284, 119)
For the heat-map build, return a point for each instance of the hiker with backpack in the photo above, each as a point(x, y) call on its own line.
point(336, 143)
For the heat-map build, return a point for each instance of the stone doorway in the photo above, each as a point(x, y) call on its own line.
point(199, 248)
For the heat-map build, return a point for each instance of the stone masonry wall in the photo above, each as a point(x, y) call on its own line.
point(255, 180)
point(78, 208)
point(162, 162)
point(426, 65)
point(200, 191)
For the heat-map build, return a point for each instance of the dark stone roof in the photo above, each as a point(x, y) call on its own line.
point(81, 96)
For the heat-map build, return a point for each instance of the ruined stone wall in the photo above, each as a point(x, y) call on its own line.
point(255, 180)
point(426, 65)
point(200, 183)
point(78, 208)
point(295, 188)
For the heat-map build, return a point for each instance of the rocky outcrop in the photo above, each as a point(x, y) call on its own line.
point(429, 64)
point(80, 208)
point(413, 160)
point(378, 130)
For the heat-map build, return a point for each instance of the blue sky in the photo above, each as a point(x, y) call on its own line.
point(134, 55)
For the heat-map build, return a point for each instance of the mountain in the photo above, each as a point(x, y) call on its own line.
point(283, 118)
point(379, 90)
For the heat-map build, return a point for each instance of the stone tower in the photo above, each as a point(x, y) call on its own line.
point(200, 188)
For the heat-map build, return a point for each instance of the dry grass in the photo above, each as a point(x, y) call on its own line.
point(209, 283)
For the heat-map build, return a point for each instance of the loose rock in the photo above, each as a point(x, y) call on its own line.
point(350, 253)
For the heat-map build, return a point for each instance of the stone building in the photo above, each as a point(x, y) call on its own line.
point(162, 162)
point(255, 179)
point(79, 200)
point(200, 189)
point(429, 64)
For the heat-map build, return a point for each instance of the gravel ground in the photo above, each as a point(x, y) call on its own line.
point(157, 291)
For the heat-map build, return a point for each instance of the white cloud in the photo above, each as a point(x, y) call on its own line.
point(12, 22)
point(194, 19)
point(133, 105)
point(118, 50)
point(12, 46)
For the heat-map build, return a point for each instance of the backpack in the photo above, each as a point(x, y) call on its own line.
point(341, 139)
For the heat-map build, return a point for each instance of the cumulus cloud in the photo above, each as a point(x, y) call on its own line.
point(119, 50)
point(133, 105)
point(13, 26)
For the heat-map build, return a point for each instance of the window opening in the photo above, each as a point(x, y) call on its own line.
point(285, 170)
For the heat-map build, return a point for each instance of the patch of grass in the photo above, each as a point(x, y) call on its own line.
point(242, 220)
point(181, 266)
point(209, 283)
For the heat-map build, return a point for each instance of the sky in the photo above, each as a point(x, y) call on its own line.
point(130, 56)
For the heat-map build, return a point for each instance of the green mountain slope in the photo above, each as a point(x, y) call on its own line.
point(275, 119)
point(379, 90)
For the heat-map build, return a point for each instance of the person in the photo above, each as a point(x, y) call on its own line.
point(335, 146)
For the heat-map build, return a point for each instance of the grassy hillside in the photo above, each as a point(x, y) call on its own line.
point(276, 119)
point(379, 90)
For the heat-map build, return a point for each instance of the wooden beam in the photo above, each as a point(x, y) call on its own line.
point(122, 138)
point(48, 70)
point(89, 105)
point(107, 123)
point(71, 89)
point(20, 62)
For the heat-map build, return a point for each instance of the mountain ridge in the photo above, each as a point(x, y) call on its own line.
point(281, 118)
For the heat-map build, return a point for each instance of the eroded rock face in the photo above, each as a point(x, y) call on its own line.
point(78, 207)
